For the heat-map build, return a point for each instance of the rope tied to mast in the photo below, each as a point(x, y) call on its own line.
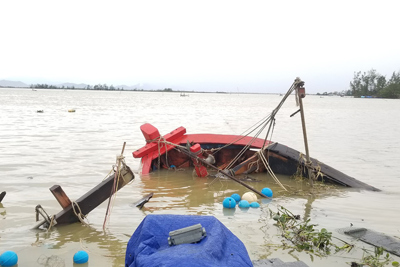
point(264, 160)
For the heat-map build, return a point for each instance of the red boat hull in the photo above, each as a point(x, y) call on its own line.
point(157, 147)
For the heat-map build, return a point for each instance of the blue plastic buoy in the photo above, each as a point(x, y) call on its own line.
point(229, 203)
point(81, 257)
point(254, 205)
point(267, 191)
point(8, 258)
point(236, 197)
point(244, 204)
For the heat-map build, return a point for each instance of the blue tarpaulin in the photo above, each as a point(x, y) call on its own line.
point(148, 245)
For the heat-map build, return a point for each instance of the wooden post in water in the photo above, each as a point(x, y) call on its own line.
point(301, 93)
point(2, 195)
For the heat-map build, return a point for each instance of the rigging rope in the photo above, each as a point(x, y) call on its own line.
point(268, 167)
point(270, 119)
point(260, 125)
point(79, 214)
point(120, 160)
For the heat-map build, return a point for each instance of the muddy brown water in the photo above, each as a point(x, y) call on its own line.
point(359, 137)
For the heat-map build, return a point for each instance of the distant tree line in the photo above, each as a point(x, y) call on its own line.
point(92, 87)
point(374, 84)
point(47, 86)
point(88, 87)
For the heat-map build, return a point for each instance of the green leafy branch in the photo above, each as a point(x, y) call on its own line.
point(305, 237)
point(375, 260)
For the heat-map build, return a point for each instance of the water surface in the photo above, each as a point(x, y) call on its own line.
point(77, 150)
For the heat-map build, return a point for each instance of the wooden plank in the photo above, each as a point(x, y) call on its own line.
point(390, 244)
point(154, 146)
point(60, 195)
point(224, 139)
point(245, 166)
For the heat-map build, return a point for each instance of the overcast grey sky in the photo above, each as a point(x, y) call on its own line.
point(246, 46)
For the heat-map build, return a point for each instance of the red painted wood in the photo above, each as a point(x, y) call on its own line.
point(152, 150)
point(146, 164)
point(150, 147)
point(149, 132)
point(201, 170)
point(195, 148)
point(223, 139)
point(147, 159)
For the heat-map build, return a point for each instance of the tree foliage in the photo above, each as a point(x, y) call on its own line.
point(87, 87)
point(373, 84)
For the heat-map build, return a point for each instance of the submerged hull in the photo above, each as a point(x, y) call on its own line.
point(161, 152)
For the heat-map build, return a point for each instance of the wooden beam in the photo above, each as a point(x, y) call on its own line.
point(60, 195)
point(94, 197)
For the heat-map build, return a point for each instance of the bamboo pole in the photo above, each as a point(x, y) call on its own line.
point(300, 96)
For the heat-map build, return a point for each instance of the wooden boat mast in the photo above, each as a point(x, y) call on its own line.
point(301, 93)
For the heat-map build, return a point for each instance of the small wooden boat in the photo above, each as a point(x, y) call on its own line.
point(231, 155)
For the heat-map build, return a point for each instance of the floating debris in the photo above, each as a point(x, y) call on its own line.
point(390, 244)
point(143, 201)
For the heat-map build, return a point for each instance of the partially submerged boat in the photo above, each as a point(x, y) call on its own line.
point(233, 155)
point(171, 151)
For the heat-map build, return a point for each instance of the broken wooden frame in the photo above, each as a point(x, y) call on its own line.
point(87, 202)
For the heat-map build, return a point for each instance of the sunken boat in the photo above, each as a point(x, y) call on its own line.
point(234, 155)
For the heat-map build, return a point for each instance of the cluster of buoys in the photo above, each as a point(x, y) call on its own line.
point(10, 258)
point(248, 200)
